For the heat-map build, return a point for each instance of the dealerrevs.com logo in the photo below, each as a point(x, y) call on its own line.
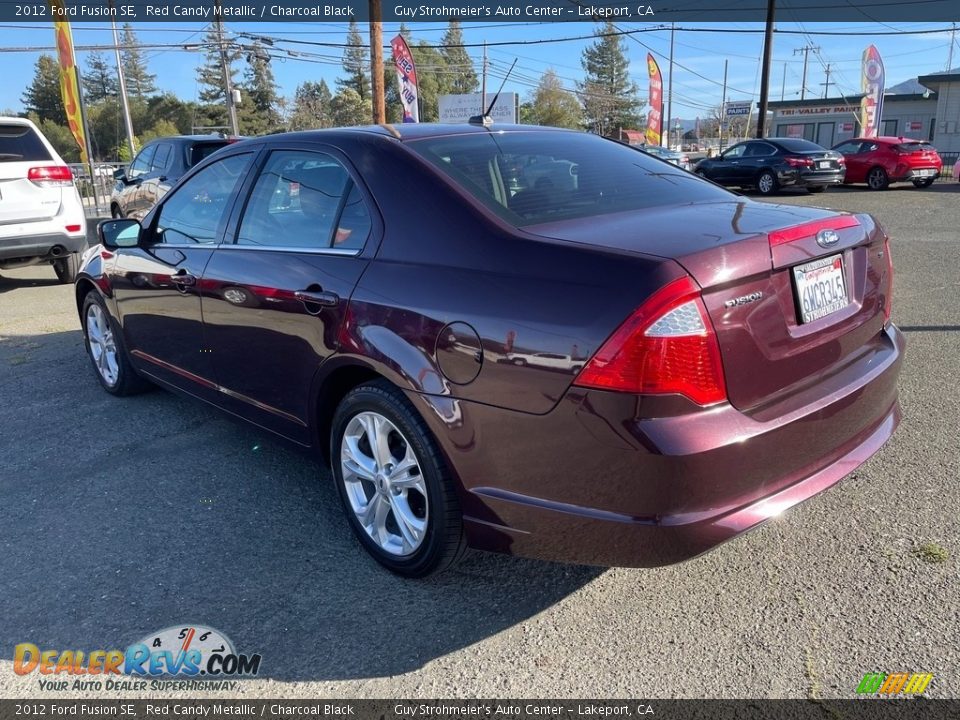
point(193, 652)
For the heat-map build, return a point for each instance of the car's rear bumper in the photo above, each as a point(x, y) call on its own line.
point(593, 482)
point(797, 178)
point(917, 173)
point(43, 245)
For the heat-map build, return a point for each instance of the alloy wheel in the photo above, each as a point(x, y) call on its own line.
point(103, 347)
point(384, 483)
point(766, 183)
point(877, 179)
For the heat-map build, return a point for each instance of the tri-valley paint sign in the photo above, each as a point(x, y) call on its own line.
point(819, 110)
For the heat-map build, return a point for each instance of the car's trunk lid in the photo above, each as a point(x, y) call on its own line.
point(748, 284)
point(22, 200)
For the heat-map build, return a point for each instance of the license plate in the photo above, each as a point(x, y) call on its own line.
point(823, 164)
point(820, 288)
point(923, 173)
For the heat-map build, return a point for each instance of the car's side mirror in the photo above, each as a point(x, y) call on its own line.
point(121, 233)
point(120, 174)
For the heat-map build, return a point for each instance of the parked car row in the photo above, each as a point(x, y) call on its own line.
point(770, 164)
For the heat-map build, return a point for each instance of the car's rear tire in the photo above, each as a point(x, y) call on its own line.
point(877, 179)
point(923, 182)
point(66, 267)
point(103, 341)
point(816, 188)
point(397, 492)
point(767, 183)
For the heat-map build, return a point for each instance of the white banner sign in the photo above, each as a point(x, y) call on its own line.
point(460, 108)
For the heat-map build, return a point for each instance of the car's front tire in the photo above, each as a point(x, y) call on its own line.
point(103, 340)
point(877, 179)
point(67, 267)
point(397, 492)
point(767, 183)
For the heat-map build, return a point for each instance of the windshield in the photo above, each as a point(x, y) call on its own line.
point(917, 146)
point(529, 178)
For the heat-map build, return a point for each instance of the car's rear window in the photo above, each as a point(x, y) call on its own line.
point(797, 145)
point(529, 178)
point(20, 143)
point(201, 151)
point(913, 146)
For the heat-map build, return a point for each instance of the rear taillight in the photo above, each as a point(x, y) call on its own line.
point(799, 162)
point(841, 160)
point(50, 176)
point(888, 293)
point(668, 345)
point(810, 229)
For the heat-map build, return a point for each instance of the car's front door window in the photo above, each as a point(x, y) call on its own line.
point(734, 153)
point(141, 164)
point(196, 211)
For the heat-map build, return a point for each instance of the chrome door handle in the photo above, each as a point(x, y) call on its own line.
point(184, 278)
point(317, 297)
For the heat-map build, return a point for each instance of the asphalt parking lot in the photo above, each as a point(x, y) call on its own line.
point(122, 517)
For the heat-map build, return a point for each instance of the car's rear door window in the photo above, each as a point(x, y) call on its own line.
point(196, 211)
point(20, 143)
point(304, 200)
point(534, 177)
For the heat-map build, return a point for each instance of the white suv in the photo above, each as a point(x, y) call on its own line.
point(41, 214)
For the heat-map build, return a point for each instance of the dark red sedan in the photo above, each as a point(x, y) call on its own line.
point(626, 370)
point(880, 161)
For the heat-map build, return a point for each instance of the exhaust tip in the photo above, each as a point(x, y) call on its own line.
point(57, 250)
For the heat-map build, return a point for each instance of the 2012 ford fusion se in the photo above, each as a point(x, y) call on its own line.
point(367, 293)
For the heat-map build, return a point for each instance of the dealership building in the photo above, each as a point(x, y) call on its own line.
point(927, 108)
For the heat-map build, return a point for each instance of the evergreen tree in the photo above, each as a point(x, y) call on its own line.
point(431, 79)
point(260, 113)
point(43, 95)
point(554, 106)
point(210, 77)
point(355, 64)
point(609, 96)
point(140, 82)
point(348, 108)
point(462, 78)
point(311, 106)
point(99, 81)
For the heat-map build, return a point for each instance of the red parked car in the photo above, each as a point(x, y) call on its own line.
point(880, 161)
point(626, 371)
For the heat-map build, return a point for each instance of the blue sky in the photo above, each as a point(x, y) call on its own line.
point(696, 86)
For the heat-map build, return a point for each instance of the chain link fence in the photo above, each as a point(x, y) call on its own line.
point(95, 192)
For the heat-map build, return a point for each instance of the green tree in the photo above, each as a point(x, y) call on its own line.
point(355, 64)
point(430, 78)
point(140, 82)
point(210, 77)
point(554, 106)
point(42, 97)
point(311, 106)
point(161, 128)
point(60, 137)
point(259, 114)
point(348, 108)
point(99, 80)
point(609, 96)
point(462, 77)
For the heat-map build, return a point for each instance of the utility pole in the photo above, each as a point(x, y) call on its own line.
point(376, 63)
point(483, 82)
point(953, 39)
point(227, 86)
point(765, 73)
point(670, 87)
point(806, 52)
point(723, 107)
point(783, 83)
point(124, 101)
point(827, 84)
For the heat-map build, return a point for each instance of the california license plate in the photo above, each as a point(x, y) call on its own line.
point(820, 287)
point(923, 173)
point(823, 164)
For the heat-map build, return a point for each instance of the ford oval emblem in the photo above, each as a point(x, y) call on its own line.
point(826, 238)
